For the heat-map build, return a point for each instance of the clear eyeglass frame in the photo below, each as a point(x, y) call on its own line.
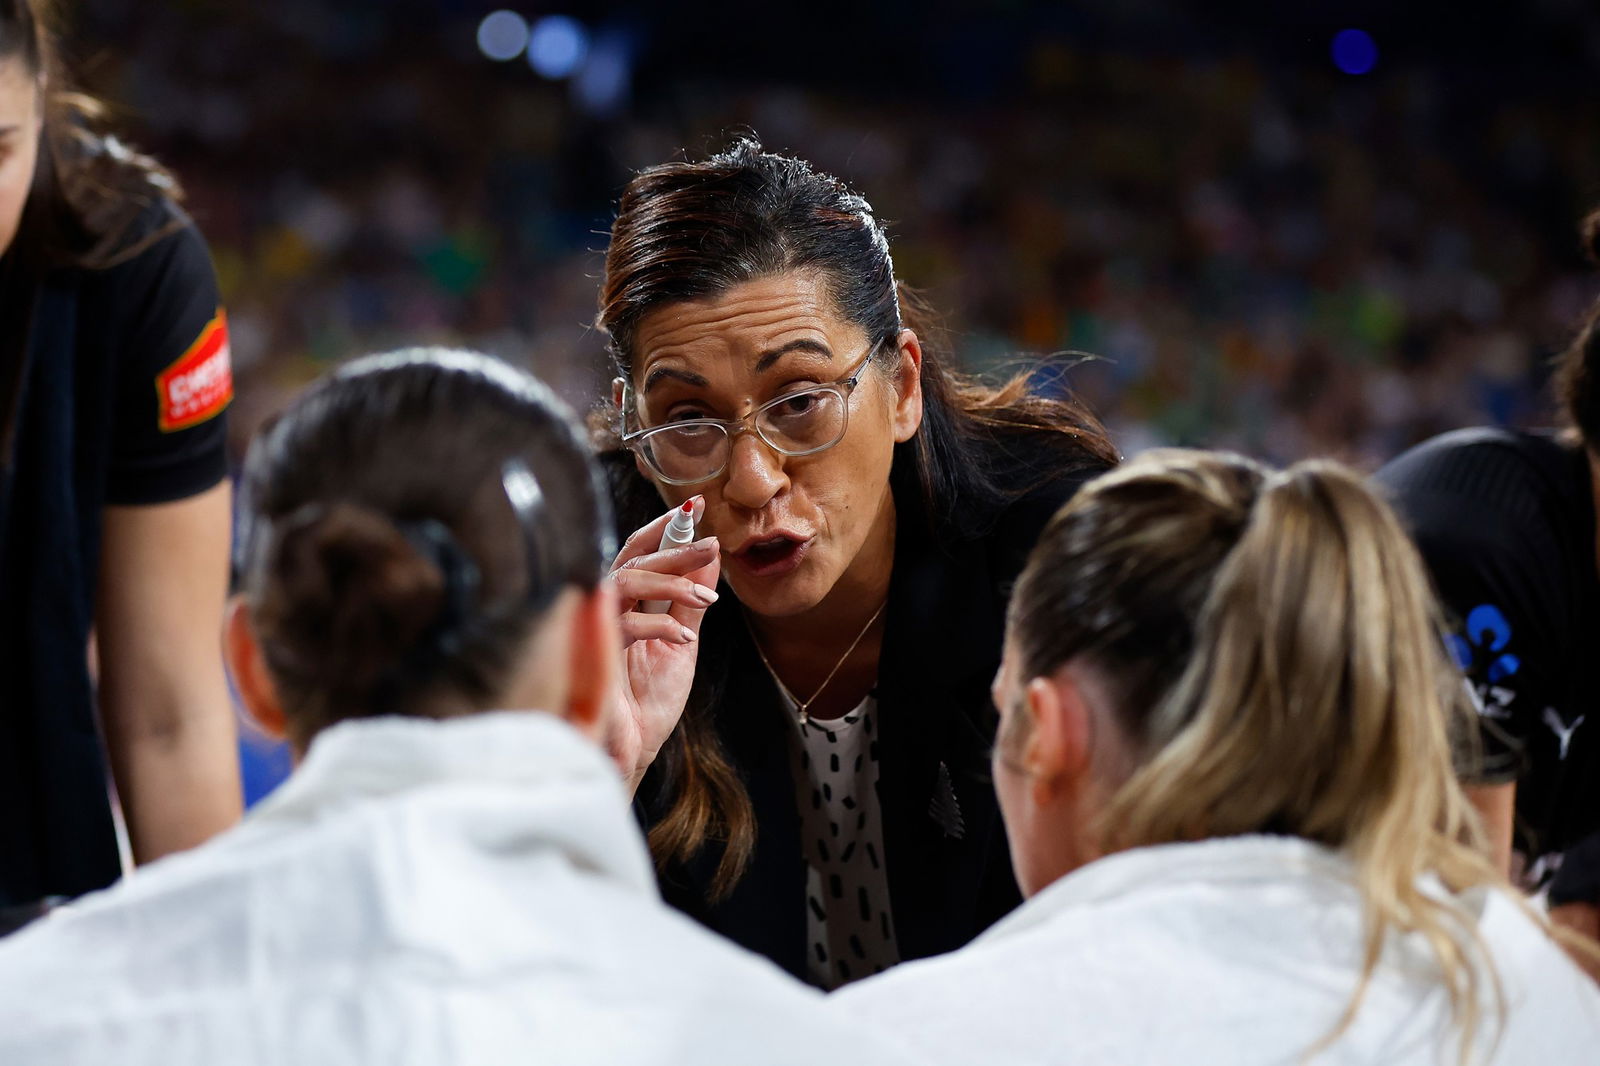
point(637, 441)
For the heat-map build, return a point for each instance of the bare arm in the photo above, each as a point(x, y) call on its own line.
point(1497, 806)
point(164, 700)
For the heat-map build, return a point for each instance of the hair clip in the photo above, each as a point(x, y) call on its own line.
point(461, 579)
point(527, 501)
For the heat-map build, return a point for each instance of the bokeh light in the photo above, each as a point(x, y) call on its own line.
point(602, 86)
point(1354, 51)
point(502, 35)
point(557, 46)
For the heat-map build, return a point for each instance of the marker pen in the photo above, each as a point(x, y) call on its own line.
point(679, 532)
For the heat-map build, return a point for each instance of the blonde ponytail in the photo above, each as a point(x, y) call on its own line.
point(1278, 667)
point(1317, 702)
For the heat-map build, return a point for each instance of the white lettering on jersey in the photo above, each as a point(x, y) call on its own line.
point(1561, 729)
point(1494, 701)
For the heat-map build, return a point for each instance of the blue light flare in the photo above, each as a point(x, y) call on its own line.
point(1354, 51)
point(502, 35)
point(557, 46)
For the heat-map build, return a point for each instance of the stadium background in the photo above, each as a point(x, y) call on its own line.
point(1325, 228)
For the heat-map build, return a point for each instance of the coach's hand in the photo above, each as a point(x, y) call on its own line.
point(659, 650)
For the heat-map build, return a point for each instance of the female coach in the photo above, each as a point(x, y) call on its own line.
point(824, 797)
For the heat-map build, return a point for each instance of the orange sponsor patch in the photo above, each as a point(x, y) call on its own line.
point(200, 383)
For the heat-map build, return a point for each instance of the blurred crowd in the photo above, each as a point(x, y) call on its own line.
point(1268, 256)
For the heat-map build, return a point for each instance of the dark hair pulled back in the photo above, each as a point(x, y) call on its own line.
point(693, 230)
point(403, 527)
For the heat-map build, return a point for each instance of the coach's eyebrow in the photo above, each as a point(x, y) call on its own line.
point(764, 363)
point(665, 373)
point(801, 344)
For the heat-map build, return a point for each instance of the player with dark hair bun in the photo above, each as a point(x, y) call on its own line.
point(411, 588)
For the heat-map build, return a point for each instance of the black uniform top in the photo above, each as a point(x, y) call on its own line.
point(125, 380)
point(949, 875)
point(1506, 524)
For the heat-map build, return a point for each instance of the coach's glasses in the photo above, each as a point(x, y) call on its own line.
point(802, 422)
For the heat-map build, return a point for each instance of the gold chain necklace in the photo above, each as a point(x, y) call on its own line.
point(803, 706)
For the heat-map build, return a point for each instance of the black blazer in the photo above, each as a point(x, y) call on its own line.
point(944, 627)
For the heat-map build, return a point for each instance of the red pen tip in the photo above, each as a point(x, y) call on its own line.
point(688, 506)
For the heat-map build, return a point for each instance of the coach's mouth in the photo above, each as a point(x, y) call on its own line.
point(772, 555)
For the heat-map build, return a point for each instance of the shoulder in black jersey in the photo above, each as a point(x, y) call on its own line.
point(1506, 524)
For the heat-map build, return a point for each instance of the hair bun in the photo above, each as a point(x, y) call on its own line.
point(355, 592)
